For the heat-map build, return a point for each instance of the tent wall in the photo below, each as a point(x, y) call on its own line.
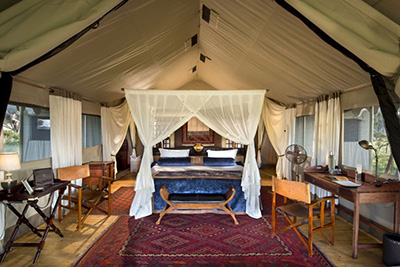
point(359, 98)
point(23, 93)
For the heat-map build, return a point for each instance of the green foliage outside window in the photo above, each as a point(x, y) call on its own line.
point(386, 162)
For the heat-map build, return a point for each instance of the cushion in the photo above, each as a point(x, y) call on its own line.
point(231, 153)
point(207, 161)
point(174, 161)
point(174, 153)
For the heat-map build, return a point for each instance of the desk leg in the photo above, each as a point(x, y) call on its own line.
point(24, 220)
point(356, 225)
point(47, 220)
point(49, 223)
point(21, 218)
point(396, 213)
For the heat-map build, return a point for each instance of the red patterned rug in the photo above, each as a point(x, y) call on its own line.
point(121, 201)
point(198, 240)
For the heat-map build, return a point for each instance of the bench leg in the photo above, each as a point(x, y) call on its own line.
point(228, 209)
point(163, 212)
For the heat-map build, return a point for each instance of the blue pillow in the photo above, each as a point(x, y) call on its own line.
point(220, 162)
point(174, 161)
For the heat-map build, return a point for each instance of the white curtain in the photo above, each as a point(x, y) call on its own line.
point(65, 133)
point(290, 120)
point(279, 123)
point(114, 126)
point(132, 131)
point(157, 115)
point(229, 113)
point(326, 133)
point(260, 136)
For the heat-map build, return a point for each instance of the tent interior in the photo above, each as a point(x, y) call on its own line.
point(329, 70)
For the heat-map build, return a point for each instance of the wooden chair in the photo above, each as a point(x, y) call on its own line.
point(86, 196)
point(197, 202)
point(303, 210)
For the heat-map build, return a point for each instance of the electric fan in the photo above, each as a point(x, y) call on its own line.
point(296, 154)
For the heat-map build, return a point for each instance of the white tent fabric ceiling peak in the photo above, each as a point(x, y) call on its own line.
point(249, 44)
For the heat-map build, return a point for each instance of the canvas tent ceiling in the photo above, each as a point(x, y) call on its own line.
point(255, 44)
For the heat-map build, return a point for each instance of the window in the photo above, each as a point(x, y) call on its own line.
point(231, 144)
point(27, 131)
point(166, 143)
point(386, 162)
point(91, 131)
point(367, 124)
point(305, 133)
point(356, 127)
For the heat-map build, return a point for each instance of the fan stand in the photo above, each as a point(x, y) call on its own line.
point(297, 172)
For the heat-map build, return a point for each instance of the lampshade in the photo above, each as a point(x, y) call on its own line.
point(366, 144)
point(9, 161)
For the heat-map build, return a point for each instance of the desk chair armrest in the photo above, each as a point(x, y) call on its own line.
point(75, 186)
point(101, 177)
point(318, 201)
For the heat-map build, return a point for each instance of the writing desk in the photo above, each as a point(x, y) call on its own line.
point(23, 197)
point(366, 193)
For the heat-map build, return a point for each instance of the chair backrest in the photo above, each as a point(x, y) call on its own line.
point(292, 189)
point(73, 173)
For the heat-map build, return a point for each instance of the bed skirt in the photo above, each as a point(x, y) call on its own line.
point(199, 186)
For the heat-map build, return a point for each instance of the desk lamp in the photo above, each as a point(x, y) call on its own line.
point(367, 146)
point(9, 161)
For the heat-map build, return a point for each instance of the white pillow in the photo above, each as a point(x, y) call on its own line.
point(231, 153)
point(174, 153)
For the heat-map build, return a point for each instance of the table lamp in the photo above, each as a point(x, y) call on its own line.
point(9, 161)
point(367, 146)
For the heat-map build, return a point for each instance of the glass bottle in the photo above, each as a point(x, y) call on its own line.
point(331, 162)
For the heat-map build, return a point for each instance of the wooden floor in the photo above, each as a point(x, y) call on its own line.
point(64, 251)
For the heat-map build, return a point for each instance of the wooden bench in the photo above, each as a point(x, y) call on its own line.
point(197, 202)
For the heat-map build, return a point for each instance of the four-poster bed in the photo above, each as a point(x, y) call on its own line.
point(232, 114)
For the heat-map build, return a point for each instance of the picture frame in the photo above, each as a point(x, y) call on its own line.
point(27, 186)
point(190, 138)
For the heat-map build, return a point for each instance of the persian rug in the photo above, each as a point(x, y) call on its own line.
point(266, 200)
point(198, 240)
point(121, 201)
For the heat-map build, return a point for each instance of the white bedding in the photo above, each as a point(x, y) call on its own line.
point(157, 168)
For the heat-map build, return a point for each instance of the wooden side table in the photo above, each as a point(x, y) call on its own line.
point(22, 197)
